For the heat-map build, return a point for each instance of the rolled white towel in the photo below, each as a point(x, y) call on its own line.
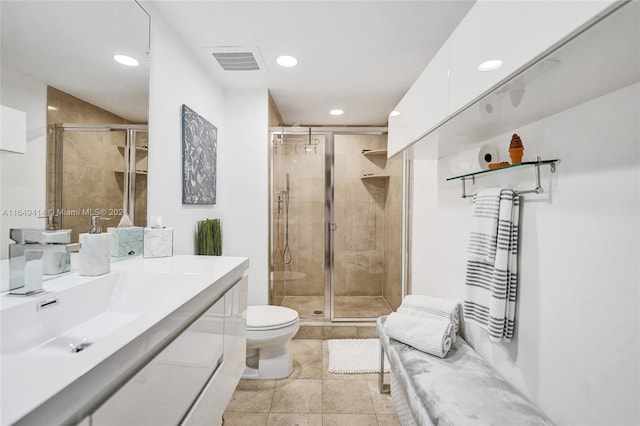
point(435, 305)
point(423, 331)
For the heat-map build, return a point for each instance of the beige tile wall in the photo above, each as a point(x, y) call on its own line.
point(90, 163)
point(359, 215)
point(306, 219)
point(391, 288)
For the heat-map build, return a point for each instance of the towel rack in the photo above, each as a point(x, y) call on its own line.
point(537, 190)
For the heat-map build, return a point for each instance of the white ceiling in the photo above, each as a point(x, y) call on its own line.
point(359, 56)
point(70, 45)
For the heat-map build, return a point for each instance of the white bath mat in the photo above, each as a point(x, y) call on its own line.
point(355, 356)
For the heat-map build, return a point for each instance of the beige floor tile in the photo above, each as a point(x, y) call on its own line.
point(306, 347)
point(387, 420)
point(294, 419)
point(253, 396)
point(309, 332)
point(361, 306)
point(382, 403)
point(349, 419)
point(245, 419)
point(297, 396)
point(307, 367)
point(346, 397)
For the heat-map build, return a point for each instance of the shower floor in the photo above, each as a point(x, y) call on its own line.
point(345, 306)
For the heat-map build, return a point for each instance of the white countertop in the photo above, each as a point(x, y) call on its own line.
point(58, 387)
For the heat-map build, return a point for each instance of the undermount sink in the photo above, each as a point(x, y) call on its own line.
point(73, 319)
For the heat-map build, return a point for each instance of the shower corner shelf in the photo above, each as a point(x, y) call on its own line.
point(537, 190)
point(138, 172)
point(365, 177)
point(374, 152)
point(138, 148)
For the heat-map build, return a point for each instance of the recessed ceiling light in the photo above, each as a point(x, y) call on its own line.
point(51, 108)
point(336, 112)
point(491, 65)
point(394, 113)
point(126, 60)
point(287, 61)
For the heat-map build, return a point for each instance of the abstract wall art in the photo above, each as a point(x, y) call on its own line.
point(199, 152)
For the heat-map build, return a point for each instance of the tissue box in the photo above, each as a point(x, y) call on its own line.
point(158, 242)
point(126, 241)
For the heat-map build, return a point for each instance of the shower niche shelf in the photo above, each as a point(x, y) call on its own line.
point(138, 172)
point(374, 152)
point(138, 148)
point(367, 177)
point(537, 190)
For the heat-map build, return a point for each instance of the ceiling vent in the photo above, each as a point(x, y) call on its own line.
point(237, 58)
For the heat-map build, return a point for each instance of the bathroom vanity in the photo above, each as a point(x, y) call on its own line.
point(155, 341)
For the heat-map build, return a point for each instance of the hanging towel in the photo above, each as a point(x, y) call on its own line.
point(424, 331)
point(491, 276)
point(437, 306)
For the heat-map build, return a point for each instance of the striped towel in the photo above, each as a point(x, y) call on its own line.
point(424, 331)
point(491, 277)
point(442, 307)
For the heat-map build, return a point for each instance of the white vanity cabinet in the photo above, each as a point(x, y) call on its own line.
point(512, 31)
point(210, 407)
point(190, 381)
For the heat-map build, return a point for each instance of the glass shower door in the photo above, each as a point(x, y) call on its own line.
point(298, 231)
point(361, 184)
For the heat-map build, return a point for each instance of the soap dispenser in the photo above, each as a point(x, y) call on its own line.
point(95, 254)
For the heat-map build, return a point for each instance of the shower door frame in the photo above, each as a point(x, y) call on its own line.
point(329, 213)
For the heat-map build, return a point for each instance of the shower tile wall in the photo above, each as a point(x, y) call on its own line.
point(359, 248)
point(391, 286)
point(304, 275)
point(91, 160)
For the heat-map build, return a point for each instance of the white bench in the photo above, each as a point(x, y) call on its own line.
point(460, 389)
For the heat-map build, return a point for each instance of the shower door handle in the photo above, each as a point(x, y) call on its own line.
point(333, 226)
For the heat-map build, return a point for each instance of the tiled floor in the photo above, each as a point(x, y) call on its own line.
point(345, 306)
point(311, 395)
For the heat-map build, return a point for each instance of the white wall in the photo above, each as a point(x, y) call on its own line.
point(23, 176)
point(244, 183)
point(178, 77)
point(576, 351)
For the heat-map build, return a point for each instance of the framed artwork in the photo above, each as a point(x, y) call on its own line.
point(199, 152)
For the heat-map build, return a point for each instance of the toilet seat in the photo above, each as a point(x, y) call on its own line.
point(270, 317)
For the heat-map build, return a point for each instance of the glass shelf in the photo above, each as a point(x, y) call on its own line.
point(511, 166)
point(537, 190)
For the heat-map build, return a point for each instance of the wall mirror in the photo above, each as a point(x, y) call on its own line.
point(94, 130)
point(97, 109)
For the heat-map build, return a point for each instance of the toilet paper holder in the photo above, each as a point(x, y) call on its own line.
point(537, 190)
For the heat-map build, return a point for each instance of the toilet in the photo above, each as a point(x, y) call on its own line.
point(269, 330)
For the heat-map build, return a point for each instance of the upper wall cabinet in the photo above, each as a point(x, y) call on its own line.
point(516, 32)
point(423, 106)
point(603, 58)
point(511, 31)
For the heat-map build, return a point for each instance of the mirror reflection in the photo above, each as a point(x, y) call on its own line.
point(84, 152)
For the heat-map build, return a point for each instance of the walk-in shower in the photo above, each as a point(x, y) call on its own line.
point(336, 221)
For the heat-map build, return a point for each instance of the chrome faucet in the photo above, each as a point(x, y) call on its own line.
point(27, 258)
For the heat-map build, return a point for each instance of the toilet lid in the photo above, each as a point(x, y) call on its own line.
point(270, 316)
